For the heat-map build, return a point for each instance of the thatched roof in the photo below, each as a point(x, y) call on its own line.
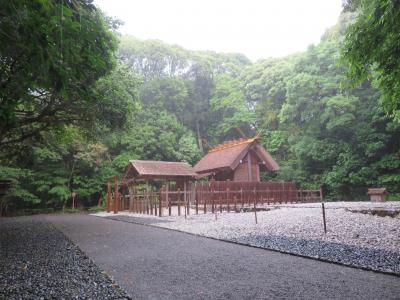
point(377, 191)
point(150, 169)
point(227, 156)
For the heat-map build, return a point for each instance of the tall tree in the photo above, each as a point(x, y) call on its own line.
point(52, 52)
point(372, 48)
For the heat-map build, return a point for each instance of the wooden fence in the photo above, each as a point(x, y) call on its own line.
point(217, 196)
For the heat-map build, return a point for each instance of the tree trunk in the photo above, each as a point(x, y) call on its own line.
point(199, 141)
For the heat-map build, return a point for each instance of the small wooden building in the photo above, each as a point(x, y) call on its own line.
point(148, 172)
point(377, 194)
point(238, 160)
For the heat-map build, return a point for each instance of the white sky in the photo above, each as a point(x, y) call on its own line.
point(256, 28)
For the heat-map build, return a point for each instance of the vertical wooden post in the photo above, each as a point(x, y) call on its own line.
point(167, 198)
point(73, 195)
point(134, 199)
point(204, 198)
point(108, 203)
point(323, 216)
point(160, 206)
point(196, 194)
point(213, 201)
point(146, 199)
point(227, 199)
point(148, 202)
point(186, 198)
point(155, 204)
point(241, 196)
point(179, 201)
point(142, 202)
point(255, 211)
point(151, 203)
point(137, 201)
point(115, 194)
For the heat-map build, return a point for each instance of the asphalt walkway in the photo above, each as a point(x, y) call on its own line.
point(155, 263)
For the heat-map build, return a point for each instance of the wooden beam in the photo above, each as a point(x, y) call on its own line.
point(108, 203)
point(115, 194)
point(241, 133)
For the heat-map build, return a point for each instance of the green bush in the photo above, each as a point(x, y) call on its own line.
point(95, 209)
point(72, 210)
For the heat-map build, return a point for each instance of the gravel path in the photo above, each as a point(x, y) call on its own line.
point(356, 239)
point(153, 263)
point(39, 262)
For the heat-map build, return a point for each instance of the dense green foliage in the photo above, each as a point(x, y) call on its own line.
point(169, 103)
point(372, 48)
point(51, 55)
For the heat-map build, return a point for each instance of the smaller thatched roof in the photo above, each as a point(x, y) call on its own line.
point(150, 169)
point(377, 191)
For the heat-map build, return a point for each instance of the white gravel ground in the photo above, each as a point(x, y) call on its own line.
point(296, 221)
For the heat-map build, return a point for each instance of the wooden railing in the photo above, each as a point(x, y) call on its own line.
point(218, 195)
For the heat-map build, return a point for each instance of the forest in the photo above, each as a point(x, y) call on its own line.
point(78, 100)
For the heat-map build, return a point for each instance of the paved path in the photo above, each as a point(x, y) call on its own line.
point(154, 263)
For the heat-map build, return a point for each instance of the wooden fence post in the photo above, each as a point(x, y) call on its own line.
point(227, 199)
point(160, 207)
point(108, 203)
point(212, 202)
point(284, 199)
point(186, 198)
point(155, 200)
point(115, 194)
point(323, 216)
point(134, 199)
point(130, 189)
point(179, 201)
point(255, 212)
point(151, 203)
point(168, 198)
point(185, 202)
point(196, 195)
point(204, 198)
